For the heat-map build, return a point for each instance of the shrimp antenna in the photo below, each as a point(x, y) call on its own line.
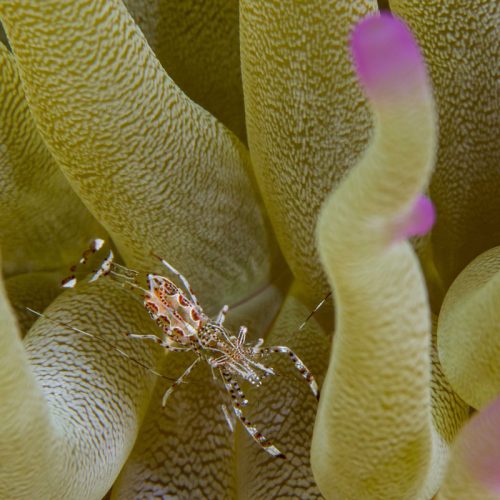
point(100, 339)
point(311, 314)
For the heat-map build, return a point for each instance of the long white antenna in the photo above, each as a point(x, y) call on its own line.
point(100, 339)
point(315, 309)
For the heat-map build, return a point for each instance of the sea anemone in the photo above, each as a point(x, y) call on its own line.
point(267, 175)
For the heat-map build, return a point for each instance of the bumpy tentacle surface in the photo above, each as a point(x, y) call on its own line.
point(461, 46)
point(68, 425)
point(162, 174)
point(469, 331)
point(373, 435)
point(27, 439)
point(306, 119)
point(198, 45)
point(42, 220)
point(131, 142)
point(449, 413)
point(184, 450)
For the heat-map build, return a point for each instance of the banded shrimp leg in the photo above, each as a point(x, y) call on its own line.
point(165, 343)
point(179, 381)
point(298, 363)
point(238, 400)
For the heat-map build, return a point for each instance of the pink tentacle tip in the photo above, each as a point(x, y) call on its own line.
point(386, 56)
point(480, 440)
point(417, 221)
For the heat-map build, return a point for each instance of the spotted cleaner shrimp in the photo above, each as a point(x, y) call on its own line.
point(186, 328)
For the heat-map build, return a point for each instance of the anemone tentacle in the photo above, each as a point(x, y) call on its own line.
point(128, 139)
point(202, 58)
point(307, 121)
point(376, 394)
point(42, 221)
point(67, 426)
point(469, 331)
point(466, 180)
point(84, 93)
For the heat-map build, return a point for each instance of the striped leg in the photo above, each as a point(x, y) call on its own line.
point(158, 341)
point(179, 381)
point(228, 418)
point(237, 393)
point(296, 361)
point(265, 443)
